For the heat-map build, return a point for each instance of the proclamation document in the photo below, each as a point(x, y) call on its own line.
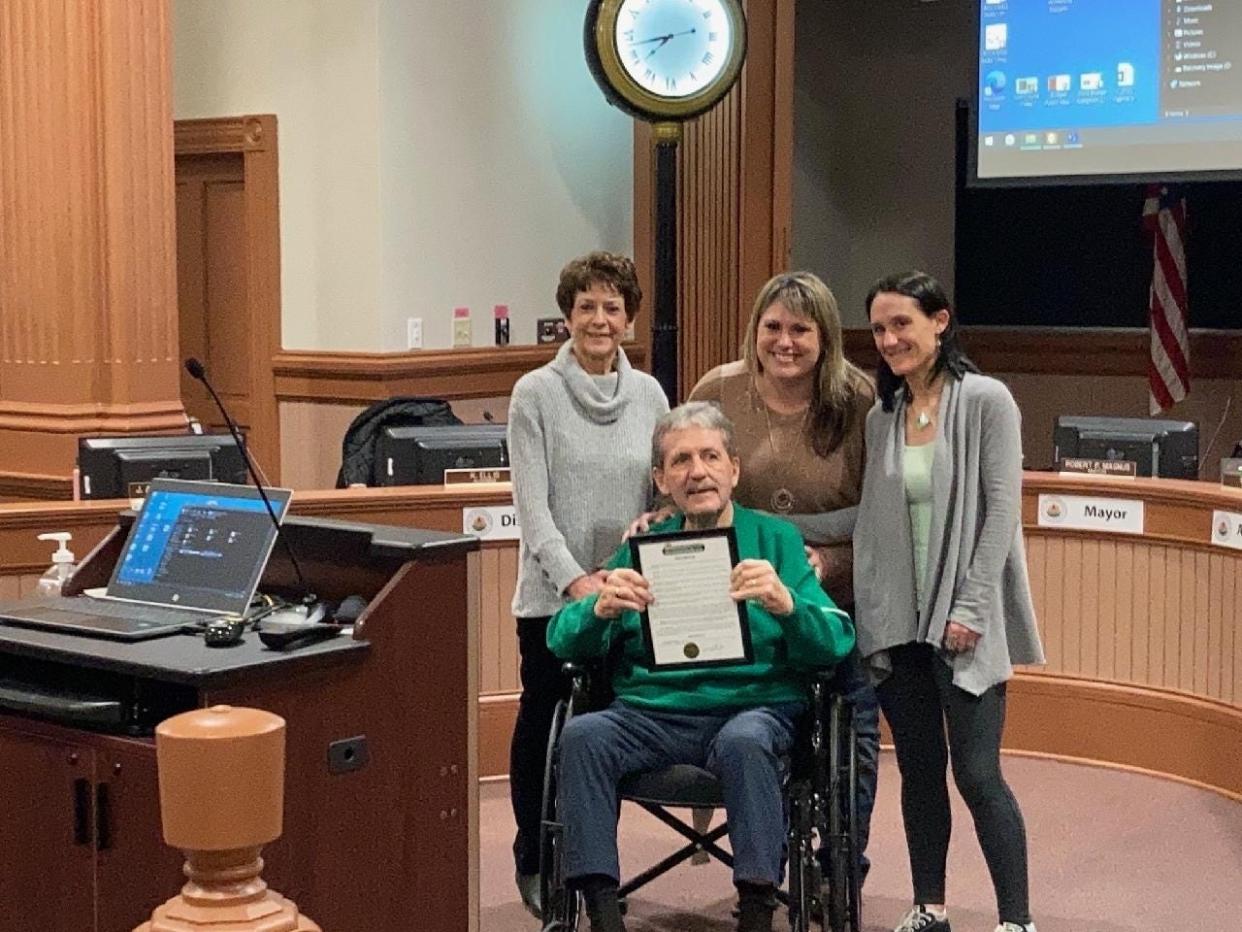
point(692, 622)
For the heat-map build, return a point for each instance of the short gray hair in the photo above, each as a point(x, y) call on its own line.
point(704, 414)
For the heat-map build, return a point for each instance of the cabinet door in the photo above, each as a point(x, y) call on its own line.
point(135, 870)
point(47, 856)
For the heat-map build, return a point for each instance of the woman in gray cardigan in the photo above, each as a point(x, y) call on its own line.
point(943, 602)
point(580, 448)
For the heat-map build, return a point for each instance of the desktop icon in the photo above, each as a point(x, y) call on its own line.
point(1090, 81)
point(995, 36)
point(1059, 83)
point(1125, 74)
point(994, 83)
point(1026, 85)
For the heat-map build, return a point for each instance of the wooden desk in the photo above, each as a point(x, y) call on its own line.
point(1153, 684)
point(1143, 635)
point(386, 846)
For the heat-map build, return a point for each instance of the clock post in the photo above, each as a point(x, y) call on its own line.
point(665, 62)
point(664, 320)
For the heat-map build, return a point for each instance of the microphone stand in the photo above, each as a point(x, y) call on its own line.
point(199, 374)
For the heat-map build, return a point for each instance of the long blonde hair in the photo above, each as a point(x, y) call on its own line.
point(837, 380)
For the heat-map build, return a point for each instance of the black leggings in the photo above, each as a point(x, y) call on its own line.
point(919, 699)
point(543, 685)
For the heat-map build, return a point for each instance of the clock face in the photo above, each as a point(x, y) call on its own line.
point(673, 48)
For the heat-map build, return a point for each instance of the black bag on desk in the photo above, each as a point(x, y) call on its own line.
point(358, 446)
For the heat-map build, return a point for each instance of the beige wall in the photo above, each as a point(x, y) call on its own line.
point(432, 155)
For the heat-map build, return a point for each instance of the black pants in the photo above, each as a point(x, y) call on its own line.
point(919, 700)
point(543, 685)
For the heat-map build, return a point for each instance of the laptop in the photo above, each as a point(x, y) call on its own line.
point(196, 550)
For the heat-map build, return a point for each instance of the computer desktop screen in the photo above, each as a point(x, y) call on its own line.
point(121, 467)
point(1168, 449)
point(419, 455)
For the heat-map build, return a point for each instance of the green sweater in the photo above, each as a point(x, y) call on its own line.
point(815, 634)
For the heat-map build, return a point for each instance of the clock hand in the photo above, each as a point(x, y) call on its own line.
point(662, 39)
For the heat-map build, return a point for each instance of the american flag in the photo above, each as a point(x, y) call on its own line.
point(1168, 373)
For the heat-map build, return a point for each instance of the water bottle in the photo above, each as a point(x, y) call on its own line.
point(62, 567)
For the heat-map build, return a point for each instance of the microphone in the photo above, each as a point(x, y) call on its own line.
point(198, 373)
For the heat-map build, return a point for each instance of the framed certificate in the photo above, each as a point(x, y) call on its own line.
point(692, 621)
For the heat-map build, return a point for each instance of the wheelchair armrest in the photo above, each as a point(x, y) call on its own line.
point(584, 677)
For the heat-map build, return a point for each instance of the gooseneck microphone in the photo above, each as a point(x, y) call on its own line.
point(199, 374)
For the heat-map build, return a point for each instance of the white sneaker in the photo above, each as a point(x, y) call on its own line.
point(920, 920)
point(1014, 927)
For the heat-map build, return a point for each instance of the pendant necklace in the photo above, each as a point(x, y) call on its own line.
point(782, 500)
point(924, 419)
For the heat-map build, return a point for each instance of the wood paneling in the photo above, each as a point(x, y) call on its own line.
point(361, 378)
point(1115, 351)
point(734, 197)
point(229, 259)
point(88, 329)
point(1140, 632)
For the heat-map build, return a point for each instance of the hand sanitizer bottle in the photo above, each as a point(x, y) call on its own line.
point(62, 567)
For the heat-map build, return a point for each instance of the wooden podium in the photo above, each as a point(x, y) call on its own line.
point(380, 825)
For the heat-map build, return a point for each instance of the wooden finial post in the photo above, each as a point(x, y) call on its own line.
point(222, 778)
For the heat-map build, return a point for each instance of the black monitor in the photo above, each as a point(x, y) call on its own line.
point(419, 455)
point(1168, 449)
point(122, 467)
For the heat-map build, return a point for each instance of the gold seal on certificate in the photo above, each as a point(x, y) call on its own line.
point(692, 621)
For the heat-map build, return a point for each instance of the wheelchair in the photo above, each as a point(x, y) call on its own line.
point(821, 782)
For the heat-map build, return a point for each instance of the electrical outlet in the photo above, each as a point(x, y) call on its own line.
point(414, 333)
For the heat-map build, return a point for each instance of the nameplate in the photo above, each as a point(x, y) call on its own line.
point(1091, 513)
point(1126, 469)
point(492, 476)
point(491, 522)
point(1227, 529)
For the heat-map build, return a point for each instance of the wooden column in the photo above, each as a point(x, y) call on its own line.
point(88, 325)
point(735, 166)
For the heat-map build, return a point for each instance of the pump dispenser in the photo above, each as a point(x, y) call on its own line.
point(62, 567)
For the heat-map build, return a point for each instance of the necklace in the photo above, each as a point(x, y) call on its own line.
point(782, 500)
point(925, 419)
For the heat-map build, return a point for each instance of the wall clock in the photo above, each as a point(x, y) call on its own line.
point(665, 60)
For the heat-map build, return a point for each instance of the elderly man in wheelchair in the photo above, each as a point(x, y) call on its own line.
point(736, 721)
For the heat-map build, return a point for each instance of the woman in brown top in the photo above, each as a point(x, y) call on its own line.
point(799, 408)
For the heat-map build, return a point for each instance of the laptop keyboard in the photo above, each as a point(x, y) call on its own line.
point(151, 614)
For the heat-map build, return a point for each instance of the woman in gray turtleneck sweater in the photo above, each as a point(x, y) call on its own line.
point(580, 447)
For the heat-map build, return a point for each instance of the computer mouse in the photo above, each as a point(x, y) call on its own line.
point(224, 632)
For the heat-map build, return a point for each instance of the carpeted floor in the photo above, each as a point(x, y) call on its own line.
point(1110, 852)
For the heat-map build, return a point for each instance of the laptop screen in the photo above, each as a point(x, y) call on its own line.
point(198, 545)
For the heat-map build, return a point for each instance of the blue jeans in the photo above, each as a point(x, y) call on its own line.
point(744, 751)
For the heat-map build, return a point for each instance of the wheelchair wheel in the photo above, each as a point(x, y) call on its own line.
point(804, 872)
point(854, 907)
point(843, 909)
point(562, 907)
